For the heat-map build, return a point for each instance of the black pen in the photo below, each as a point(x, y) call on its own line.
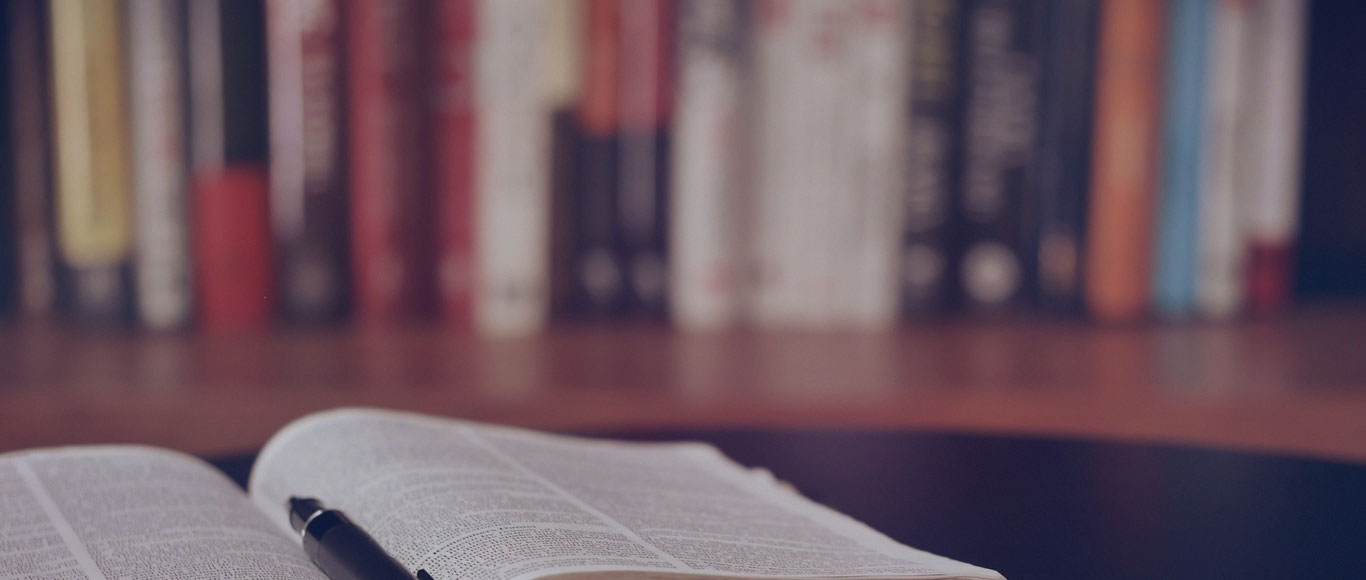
point(340, 547)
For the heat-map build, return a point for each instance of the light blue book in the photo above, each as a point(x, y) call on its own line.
point(1175, 257)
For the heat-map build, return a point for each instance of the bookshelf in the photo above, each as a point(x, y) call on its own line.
point(1295, 384)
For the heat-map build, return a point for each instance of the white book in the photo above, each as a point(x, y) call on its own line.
point(797, 111)
point(777, 126)
point(707, 193)
point(825, 49)
point(1219, 281)
point(866, 242)
point(512, 169)
point(454, 498)
point(1275, 85)
point(157, 121)
point(831, 97)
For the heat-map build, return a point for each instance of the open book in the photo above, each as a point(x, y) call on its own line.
point(461, 500)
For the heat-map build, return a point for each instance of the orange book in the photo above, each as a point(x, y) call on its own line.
point(1120, 224)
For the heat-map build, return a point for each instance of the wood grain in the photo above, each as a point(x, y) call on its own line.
point(1293, 385)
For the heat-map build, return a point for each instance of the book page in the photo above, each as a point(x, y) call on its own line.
point(136, 513)
point(469, 501)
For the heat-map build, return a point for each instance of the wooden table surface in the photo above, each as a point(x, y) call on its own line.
point(1295, 384)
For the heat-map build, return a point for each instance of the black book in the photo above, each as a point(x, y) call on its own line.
point(598, 288)
point(30, 156)
point(9, 278)
point(926, 277)
point(997, 192)
point(1063, 157)
point(642, 215)
point(564, 178)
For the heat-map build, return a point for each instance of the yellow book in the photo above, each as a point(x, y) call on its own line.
point(93, 216)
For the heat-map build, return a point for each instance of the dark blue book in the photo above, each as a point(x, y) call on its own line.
point(998, 200)
point(927, 281)
point(1063, 157)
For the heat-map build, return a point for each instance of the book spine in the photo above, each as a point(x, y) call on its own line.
point(707, 189)
point(933, 158)
point(454, 170)
point(93, 215)
point(782, 179)
point(30, 143)
point(388, 195)
point(9, 236)
point(599, 284)
point(157, 115)
point(1063, 161)
point(563, 79)
point(232, 248)
point(1174, 261)
point(1219, 280)
point(308, 197)
point(822, 66)
point(512, 201)
point(1277, 89)
point(1119, 231)
point(999, 109)
point(227, 136)
point(645, 101)
point(866, 225)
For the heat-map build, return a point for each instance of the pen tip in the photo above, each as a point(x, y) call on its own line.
point(423, 575)
point(300, 509)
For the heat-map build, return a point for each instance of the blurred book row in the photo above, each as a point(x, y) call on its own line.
point(498, 164)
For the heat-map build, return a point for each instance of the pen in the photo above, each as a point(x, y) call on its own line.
point(340, 548)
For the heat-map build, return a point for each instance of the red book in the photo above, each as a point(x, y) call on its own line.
point(232, 247)
point(453, 178)
point(389, 213)
point(1270, 272)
